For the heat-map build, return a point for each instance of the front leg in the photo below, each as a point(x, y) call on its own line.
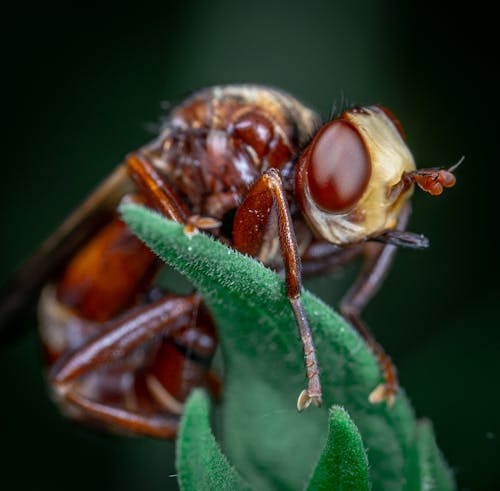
point(250, 224)
point(159, 194)
point(324, 257)
point(378, 259)
point(377, 262)
point(157, 191)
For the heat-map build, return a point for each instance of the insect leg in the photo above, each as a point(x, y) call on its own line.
point(322, 257)
point(377, 262)
point(155, 188)
point(378, 259)
point(122, 336)
point(160, 195)
point(249, 229)
point(159, 425)
point(119, 339)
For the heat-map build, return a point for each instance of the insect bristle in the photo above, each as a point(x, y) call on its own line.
point(339, 106)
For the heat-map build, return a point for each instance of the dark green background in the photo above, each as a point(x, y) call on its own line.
point(84, 89)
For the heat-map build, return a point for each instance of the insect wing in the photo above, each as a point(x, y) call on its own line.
point(58, 247)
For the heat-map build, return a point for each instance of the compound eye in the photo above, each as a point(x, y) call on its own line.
point(394, 120)
point(339, 167)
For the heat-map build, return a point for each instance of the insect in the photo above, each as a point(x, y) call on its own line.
point(261, 172)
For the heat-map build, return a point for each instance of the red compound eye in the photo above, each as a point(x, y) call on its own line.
point(339, 167)
point(394, 120)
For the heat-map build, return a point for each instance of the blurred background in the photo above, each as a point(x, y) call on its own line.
point(83, 89)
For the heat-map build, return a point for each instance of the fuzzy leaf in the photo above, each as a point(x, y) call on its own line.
point(434, 474)
point(200, 462)
point(272, 445)
point(343, 465)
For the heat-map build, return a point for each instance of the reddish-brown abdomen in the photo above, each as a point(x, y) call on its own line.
point(104, 277)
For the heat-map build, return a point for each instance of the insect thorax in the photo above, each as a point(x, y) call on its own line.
point(220, 140)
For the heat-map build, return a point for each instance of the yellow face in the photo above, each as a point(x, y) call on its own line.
point(345, 176)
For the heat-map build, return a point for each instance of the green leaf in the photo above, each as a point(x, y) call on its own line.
point(272, 445)
point(343, 465)
point(434, 473)
point(200, 462)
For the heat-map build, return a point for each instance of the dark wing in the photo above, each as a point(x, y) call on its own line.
point(25, 284)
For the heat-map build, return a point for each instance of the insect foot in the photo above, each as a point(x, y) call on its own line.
point(381, 393)
point(305, 399)
point(195, 223)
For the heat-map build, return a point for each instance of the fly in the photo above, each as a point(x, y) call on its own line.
point(261, 172)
